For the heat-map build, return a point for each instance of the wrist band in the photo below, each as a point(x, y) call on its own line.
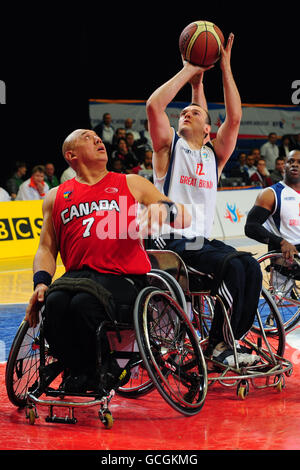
point(172, 212)
point(41, 277)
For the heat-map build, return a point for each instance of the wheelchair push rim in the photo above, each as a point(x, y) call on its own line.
point(170, 349)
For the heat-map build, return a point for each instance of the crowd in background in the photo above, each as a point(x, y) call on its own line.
point(130, 151)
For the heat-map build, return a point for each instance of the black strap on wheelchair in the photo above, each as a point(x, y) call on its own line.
point(91, 287)
point(219, 276)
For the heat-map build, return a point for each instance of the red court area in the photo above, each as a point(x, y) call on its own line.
point(265, 420)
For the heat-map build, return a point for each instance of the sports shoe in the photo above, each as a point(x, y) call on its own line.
point(225, 355)
point(112, 375)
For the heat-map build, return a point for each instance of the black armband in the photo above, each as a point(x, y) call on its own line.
point(172, 210)
point(254, 227)
point(41, 277)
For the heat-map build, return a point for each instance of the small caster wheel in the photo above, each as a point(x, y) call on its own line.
point(107, 419)
point(289, 372)
point(31, 416)
point(242, 389)
point(280, 383)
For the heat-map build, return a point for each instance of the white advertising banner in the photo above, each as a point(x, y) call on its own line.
point(232, 210)
point(257, 121)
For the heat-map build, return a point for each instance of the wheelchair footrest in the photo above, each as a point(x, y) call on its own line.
point(51, 418)
point(57, 419)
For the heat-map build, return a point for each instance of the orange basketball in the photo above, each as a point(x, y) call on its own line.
point(200, 43)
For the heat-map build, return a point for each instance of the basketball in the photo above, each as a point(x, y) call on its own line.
point(200, 43)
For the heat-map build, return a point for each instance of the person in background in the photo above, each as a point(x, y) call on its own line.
point(35, 187)
point(106, 131)
point(278, 174)
point(67, 174)
point(128, 128)
point(261, 176)
point(13, 183)
point(285, 146)
point(270, 151)
point(4, 196)
point(50, 177)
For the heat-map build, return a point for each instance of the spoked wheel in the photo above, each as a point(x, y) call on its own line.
point(170, 350)
point(274, 335)
point(139, 384)
point(281, 278)
point(22, 369)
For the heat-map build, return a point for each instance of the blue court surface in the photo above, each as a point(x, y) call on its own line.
point(11, 317)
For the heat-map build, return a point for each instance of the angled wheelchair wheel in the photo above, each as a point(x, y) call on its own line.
point(281, 278)
point(273, 335)
point(165, 281)
point(22, 368)
point(170, 350)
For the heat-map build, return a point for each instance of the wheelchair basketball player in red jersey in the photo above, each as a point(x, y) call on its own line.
point(91, 220)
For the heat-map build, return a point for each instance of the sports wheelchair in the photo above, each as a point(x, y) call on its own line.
point(268, 344)
point(281, 278)
point(159, 349)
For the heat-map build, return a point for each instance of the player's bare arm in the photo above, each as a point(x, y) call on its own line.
point(44, 260)
point(225, 141)
point(159, 124)
point(156, 213)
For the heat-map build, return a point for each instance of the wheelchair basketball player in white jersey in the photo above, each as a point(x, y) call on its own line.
point(187, 166)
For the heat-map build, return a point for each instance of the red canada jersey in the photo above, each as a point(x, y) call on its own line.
point(96, 227)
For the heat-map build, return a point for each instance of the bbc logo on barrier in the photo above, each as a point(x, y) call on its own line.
point(23, 228)
point(2, 92)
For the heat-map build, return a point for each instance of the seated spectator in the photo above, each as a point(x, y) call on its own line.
point(250, 167)
point(120, 132)
point(4, 196)
point(128, 128)
point(260, 177)
point(132, 146)
point(240, 170)
point(118, 166)
point(296, 142)
point(13, 183)
point(35, 187)
point(50, 177)
point(278, 174)
point(106, 131)
point(145, 138)
point(146, 168)
point(67, 174)
point(124, 155)
point(270, 151)
point(285, 147)
point(255, 152)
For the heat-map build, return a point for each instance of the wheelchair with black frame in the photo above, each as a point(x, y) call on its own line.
point(268, 344)
point(157, 348)
point(281, 278)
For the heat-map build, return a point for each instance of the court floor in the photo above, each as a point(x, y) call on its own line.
point(265, 420)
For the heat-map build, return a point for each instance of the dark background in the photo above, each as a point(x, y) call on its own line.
point(54, 60)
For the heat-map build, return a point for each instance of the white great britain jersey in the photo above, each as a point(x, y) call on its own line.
point(285, 220)
point(191, 180)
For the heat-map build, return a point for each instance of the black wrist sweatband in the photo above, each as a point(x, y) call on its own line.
point(172, 214)
point(41, 277)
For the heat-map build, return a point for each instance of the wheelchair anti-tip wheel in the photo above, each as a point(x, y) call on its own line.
point(170, 350)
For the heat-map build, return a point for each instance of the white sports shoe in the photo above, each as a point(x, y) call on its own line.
point(225, 355)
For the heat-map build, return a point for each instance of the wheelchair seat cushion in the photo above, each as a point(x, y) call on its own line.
point(90, 286)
